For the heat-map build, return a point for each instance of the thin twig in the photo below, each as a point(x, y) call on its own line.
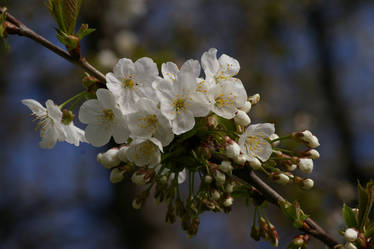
point(14, 26)
point(272, 196)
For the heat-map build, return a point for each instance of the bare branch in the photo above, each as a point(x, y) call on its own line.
point(16, 27)
point(272, 196)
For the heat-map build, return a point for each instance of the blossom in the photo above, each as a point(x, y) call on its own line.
point(130, 81)
point(52, 127)
point(147, 121)
point(305, 165)
point(180, 102)
point(225, 99)
point(104, 119)
point(307, 184)
point(145, 151)
point(170, 70)
point(254, 141)
point(220, 69)
point(110, 158)
point(350, 234)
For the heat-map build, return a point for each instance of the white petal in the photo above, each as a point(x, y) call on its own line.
point(73, 134)
point(34, 106)
point(124, 68)
point(183, 122)
point(199, 105)
point(229, 65)
point(106, 98)
point(192, 67)
point(209, 62)
point(169, 70)
point(182, 176)
point(120, 131)
point(266, 152)
point(53, 111)
point(50, 136)
point(88, 112)
point(97, 135)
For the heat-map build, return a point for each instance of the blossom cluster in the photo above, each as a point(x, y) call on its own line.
point(177, 127)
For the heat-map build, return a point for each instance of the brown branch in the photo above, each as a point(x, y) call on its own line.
point(16, 27)
point(275, 198)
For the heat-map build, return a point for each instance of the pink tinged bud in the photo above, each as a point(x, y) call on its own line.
point(350, 234)
point(313, 154)
point(306, 165)
point(122, 154)
point(241, 159)
point(349, 245)
point(116, 175)
point(246, 107)
point(254, 163)
point(208, 179)
point(225, 166)
point(242, 118)
point(274, 136)
point(307, 184)
point(232, 150)
point(216, 195)
point(228, 201)
point(110, 158)
point(254, 99)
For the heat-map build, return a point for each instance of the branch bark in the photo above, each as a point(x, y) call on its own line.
point(16, 27)
point(272, 196)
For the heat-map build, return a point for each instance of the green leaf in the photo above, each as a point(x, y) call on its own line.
point(349, 216)
point(84, 31)
point(369, 232)
point(294, 213)
point(365, 203)
point(65, 13)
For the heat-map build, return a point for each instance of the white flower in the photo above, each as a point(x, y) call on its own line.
point(307, 184)
point(145, 151)
point(350, 234)
point(170, 70)
point(225, 166)
point(104, 119)
point(242, 118)
point(131, 81)
point(216, 195)
point(253, 142)
point(228, 201)
point(306, 165)
point(180, 102)
point(220, 69)
point(52, 129)
point(226, 99)
point(147, 121)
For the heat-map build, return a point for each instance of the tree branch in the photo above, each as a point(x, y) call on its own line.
point(274, 197)
point(16, 27)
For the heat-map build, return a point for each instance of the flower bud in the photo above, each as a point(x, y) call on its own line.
point(254, 163)
point(225, 166)
point(116, 175)
point(312, 154)
point(280, 178)
point(308, 138)
point(141, 177)
point(349, 245)
point(219, 177)
point(110, 158)
point(216, 195)
point(208, 179)
point(307, 184)
point(306, 165)
point(122, 154)
point(350, 234)
point(273, 137)
point(246, 107)
point(137, 204)
point(241, 159)
point(232, 150)
point(228, 201)
point(291, 167)
point(229, 188)
point(254, 99)
point(242, 118)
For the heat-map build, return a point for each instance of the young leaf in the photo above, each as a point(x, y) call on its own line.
point(84, 31)
point(365, 203)
point(65, 13)
point(349, 216)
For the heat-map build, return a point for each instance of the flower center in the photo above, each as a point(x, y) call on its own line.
point(223, 101)
point(255, 145)
point(179, 105)
point(108, 115)
point(148, 122)
point(128, 83)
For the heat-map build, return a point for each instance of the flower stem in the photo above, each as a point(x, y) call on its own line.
point(77, 96)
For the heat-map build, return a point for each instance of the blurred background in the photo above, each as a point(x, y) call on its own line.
point(310, 60)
